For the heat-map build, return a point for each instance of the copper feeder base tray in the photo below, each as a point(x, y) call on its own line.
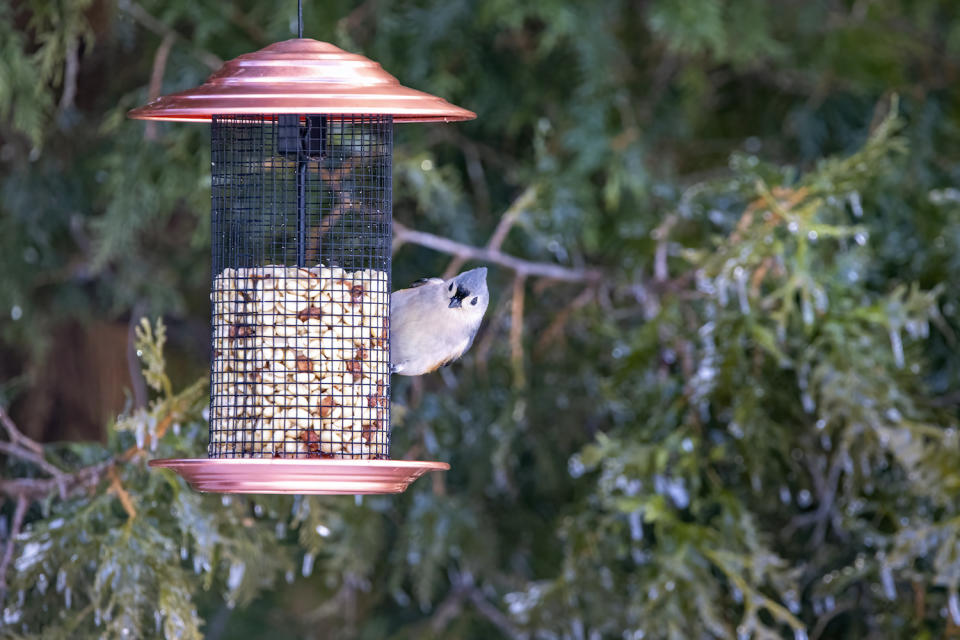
point(326, 477)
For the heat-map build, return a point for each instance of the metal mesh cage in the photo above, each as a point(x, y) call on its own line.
point(301, 286)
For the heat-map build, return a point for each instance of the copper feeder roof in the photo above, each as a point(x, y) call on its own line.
point(301, 76)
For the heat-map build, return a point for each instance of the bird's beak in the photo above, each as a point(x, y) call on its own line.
point(457, 300)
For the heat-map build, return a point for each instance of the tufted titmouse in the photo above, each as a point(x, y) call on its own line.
point(434, 321)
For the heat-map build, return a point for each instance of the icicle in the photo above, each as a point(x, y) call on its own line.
point(289, 577)
point(11, 616)
point(830, 603)
point(889, 588)
point(577, 625)
point(235, 576)
point(855, 205)
point(42, 583)
point(742, 276)
point(575, 466)
point(67, 597)
point(896, 343)
point(861, 238)
point(61, 580)
point(322, 531)
point(793, 605)
point(722, 284)
point(635, 518)
point(140, 433)
point(806, 309)
point(953, 603)
point(157, 620)
point(97, 618)
point(785, 496)
point(799, 634)
point(820, 300)
point(704, 284)
point(307, 568)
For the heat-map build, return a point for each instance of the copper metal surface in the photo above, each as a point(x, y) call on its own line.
point(301, 76)
point(331, 477)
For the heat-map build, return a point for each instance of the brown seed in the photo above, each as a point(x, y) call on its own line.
point(240, 331)
point(327, 403)
point(368, 431)
point(353, 366)
point(319, 454)
point(304, 364)
point(356, 293)
point(310, 437)
point(361, 354)
point(309, 312)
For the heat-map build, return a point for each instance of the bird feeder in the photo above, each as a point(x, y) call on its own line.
point(301, 158)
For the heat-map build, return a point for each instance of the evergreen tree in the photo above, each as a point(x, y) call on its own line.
point(715, 397)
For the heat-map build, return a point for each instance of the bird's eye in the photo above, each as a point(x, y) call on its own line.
point(474, 301)
point(450, 288)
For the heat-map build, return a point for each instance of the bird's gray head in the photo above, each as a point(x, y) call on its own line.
point(468, 291)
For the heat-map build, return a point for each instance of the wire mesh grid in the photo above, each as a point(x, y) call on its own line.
point(301, 237)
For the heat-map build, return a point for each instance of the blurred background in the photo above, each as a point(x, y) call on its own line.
point(737, 417)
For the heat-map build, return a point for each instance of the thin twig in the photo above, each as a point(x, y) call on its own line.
point(556, 327)
point(71, 66)
point(494, 615)
point(404, 235)
point(516, 332)
point(824, 620)
point(16, 436)
point(150, 23)
point(116, 487)
point(487, 339)
point(156, 78)
point(507, 220)
point(16, 451)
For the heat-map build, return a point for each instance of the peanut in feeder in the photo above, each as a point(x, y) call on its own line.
point(301, 159)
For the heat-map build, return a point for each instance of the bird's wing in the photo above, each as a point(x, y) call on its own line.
point(423, 281)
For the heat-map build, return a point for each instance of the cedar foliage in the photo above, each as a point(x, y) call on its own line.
point(747, 428)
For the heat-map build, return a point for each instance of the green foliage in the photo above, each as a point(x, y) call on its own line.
point(748, 429)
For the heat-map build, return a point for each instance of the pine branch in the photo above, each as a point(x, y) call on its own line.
point(15, 526)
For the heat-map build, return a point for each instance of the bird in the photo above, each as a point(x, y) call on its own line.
point(434, 322)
